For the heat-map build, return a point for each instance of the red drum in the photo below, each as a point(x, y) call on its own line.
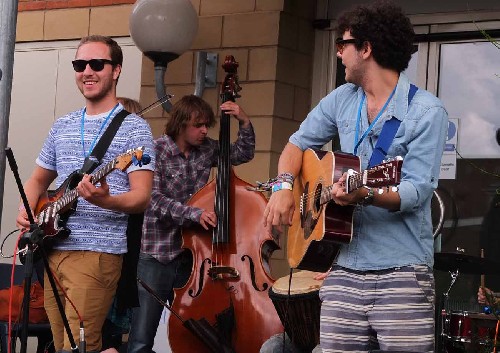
point(299, 312)
point(460, 328)
point(468, 330)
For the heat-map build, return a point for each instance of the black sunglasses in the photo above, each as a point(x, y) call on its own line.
point(342, 42)
point(95, 64)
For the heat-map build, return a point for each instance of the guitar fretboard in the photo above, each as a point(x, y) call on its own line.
point(354, 181)
point(72, 195)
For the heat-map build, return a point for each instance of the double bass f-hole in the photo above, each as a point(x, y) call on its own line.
point(265, 286)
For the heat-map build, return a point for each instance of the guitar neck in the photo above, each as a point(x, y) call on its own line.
point(101, 173)
point(382, 175)
point(72, 195)
point(353, 182)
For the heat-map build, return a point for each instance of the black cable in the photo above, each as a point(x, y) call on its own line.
point(3, 242)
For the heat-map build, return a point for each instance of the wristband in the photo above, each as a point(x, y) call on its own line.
point(368, 199)
point(281, 186)
point(285, 177)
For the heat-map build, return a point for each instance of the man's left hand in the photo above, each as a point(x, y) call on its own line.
point(232, 108)
point(91, 193)
point(341, 197)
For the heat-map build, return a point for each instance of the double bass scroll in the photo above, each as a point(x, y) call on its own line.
point(228, 283)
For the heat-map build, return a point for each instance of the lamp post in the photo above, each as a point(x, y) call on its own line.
point(163, 30)
point(8, 21)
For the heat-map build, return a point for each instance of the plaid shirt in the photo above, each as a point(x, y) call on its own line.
point(176, 179)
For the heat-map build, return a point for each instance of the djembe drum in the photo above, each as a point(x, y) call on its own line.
point(300, 311)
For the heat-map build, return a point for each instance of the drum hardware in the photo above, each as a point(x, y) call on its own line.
point(439, 225)
point(467, 264)
point(469, 332)
point(445, 317)
point(460, 329)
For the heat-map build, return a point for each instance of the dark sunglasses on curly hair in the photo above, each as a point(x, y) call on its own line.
point(341, 43)
point(95, 64)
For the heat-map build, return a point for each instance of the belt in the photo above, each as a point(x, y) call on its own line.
point(372, 272)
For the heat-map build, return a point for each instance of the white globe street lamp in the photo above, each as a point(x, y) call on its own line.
point(165, 29)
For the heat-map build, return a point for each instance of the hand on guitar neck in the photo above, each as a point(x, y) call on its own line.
point(343, 195)
point(96, 195)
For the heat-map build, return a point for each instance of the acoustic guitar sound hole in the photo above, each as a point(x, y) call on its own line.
point(317, 198)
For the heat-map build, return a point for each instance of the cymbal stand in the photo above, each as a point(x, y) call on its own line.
point(445, 318)
point(454, 276)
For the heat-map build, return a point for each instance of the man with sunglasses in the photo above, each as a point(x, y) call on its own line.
point(87, 264)
point(380, 293)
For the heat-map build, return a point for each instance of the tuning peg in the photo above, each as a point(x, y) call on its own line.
point(146, 159)
point(391, 159)
point(380, 191)
point(394, 189)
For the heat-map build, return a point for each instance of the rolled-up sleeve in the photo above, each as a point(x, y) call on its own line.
point(319, 127)
point(422, 163)
point(243, 149)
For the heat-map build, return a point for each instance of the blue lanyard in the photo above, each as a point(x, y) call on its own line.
point(99, 133)
point(358, 121)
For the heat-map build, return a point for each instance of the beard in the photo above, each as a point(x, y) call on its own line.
point(97, 95)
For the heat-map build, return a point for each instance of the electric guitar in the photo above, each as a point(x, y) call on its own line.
point(54, 209)
point(320, 227)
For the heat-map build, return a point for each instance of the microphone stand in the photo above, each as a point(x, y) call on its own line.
point(34, 237)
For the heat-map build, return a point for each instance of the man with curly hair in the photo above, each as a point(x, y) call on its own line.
point(379, 295)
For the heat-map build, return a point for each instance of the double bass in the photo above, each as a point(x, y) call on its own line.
point(228, 285)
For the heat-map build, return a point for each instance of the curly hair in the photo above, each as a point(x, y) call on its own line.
point(182, 111)
point(384, 25)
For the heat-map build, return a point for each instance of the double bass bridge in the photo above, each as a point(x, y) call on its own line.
point(223, 272)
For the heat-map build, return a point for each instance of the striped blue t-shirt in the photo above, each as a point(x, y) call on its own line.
point(94, 228)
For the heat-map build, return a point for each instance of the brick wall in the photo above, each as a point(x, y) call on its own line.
point(33, 5)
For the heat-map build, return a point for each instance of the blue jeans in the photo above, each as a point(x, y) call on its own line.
point(162, 279)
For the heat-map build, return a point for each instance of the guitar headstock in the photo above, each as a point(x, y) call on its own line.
point(382, 175)
point(135, 156)
point(230, 86)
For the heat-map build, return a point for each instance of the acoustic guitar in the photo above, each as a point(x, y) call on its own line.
point(320, 227)
point(54, 209)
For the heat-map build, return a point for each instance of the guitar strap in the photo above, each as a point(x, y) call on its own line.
point(126, 292)
point(91, 162)
point(387, 134)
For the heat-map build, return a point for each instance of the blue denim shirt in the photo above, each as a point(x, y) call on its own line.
point(383, 239)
